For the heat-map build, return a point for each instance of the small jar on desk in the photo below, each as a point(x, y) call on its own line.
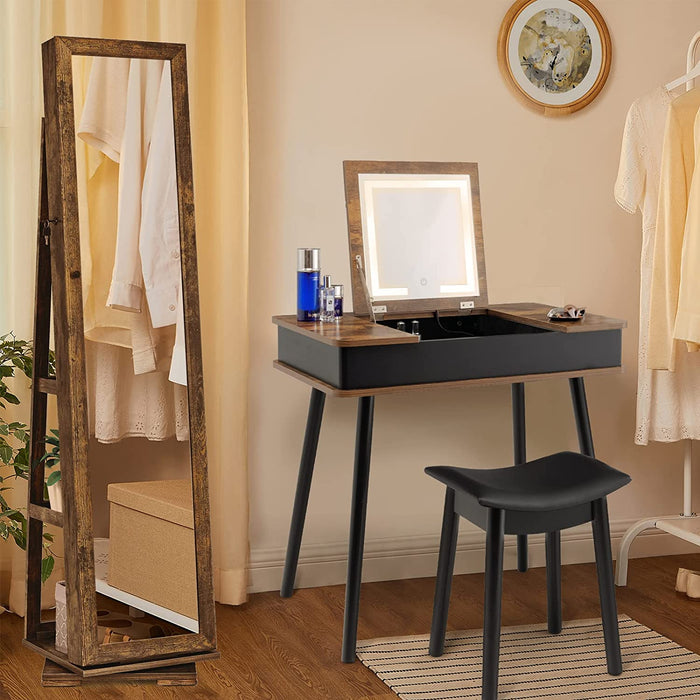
point(338, 291)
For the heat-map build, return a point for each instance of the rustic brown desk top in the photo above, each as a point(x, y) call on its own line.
point(354, 331)
point(536, 315)
point(349, 331)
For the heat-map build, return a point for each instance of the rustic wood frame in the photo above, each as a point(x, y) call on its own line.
point(59, 248)
point(352, 170)
point(506, 70)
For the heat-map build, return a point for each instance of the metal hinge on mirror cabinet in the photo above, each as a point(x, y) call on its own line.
point(368, 297)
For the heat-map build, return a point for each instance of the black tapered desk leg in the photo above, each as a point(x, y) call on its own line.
point(301, 499)
point(519, 455)
point(446, 565)
point(493, 587)
point(606, 586)
point(358, 514)
point(553, 555)
point(583, 421)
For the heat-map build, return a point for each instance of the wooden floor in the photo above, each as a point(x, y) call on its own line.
point(274, 649)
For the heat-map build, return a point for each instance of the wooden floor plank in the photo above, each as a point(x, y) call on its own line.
point(275, 649)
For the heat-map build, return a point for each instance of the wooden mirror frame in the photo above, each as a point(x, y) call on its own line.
point(59, 210)
point(352, 170)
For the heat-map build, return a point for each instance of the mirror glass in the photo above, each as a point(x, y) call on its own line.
point(139, 453)
point(418, 235)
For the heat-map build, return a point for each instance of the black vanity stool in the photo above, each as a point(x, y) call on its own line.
point(545, 495)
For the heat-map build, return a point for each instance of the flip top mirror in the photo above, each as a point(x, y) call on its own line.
point(416, 242)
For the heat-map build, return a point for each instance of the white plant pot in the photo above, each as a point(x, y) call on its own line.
point(56, 496)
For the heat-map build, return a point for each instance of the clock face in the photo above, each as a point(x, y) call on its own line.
point(555, 50)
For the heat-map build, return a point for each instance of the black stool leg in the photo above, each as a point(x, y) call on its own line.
point(583, 421)
point(519, 455)
point(553, 552)
point(360, 488)
point(493, 586)
point(606, 586)
point(301, 500)
point(446, 564)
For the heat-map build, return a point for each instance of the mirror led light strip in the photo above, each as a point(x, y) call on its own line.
point(372, 184)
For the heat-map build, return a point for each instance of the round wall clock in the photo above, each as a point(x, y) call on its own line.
point(554, 54)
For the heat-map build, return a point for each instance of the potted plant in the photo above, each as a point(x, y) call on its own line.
point(14, 448)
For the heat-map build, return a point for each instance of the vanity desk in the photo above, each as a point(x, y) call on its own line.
point(463, 340)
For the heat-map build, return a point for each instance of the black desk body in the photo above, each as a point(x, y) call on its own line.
point(511, 343)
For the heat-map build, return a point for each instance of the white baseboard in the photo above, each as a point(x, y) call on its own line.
point(416, 557)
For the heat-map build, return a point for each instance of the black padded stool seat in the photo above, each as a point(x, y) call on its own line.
point(546, 495)
point(554, 482)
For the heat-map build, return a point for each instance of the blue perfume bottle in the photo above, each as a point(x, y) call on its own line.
point(308, 274)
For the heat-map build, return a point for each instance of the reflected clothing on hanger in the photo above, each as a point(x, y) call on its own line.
point(677, 166)
point(122, 404)
point(138, 132)
point(101, 120)
point(667, 405)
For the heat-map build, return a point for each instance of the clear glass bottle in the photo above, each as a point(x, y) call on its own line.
point(327, 300)
point(308, 273)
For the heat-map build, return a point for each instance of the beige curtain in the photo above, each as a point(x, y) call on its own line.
point(214, 32)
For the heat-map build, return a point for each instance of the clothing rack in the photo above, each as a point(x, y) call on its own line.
point(685, 525)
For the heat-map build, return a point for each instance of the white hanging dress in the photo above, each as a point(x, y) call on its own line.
point(668, 403)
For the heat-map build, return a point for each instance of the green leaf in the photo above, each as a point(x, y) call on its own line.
point(48, 537)
point(4, 429)
point(17, 517)
point(53, 478)
point(20, 538)
point(21, 471)
point(22, 457)
point(4, 532)
point(5, 453)
point(52, 441)
point(46, 568)
point(11, 398)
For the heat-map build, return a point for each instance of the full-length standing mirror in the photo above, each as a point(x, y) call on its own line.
point(117, 254)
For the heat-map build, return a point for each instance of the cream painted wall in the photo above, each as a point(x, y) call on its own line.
point(418, 80)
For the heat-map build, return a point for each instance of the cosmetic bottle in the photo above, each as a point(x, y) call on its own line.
point(401, 326)
point(308, 274)
point(415, 328)
point(338, 293)
point(327, 300)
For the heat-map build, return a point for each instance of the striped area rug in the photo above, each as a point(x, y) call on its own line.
point(535, 664)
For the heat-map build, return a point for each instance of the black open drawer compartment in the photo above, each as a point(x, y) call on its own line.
point(495, 347)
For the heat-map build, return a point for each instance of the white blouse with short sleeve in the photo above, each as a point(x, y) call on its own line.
point(668, 408)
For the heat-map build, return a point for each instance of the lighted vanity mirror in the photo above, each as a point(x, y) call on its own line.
point(415, 236)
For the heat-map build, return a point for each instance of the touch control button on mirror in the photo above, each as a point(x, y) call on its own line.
point(175, 255)
point(172, 307)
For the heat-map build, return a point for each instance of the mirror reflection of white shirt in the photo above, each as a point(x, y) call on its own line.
point(137, 131)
